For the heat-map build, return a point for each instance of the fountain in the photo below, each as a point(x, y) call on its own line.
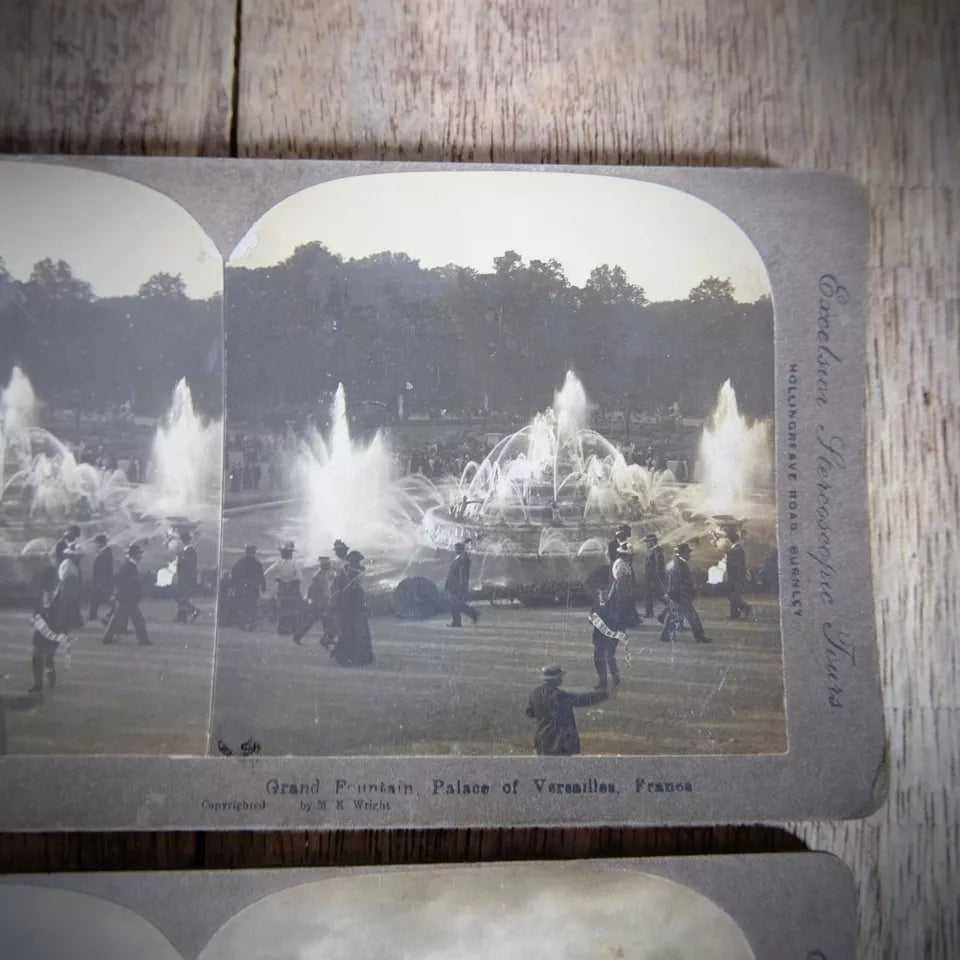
point(351, 491)
point(18, 407)
point(186, 456)
point(735, 455)
point(44, 486)
point(538, 509)
point(555, 486)
point(735, 488)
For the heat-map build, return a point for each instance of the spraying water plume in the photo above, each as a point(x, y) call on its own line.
point(186, 455)
point(352, 492)
point(44, 483)
point(735, 454)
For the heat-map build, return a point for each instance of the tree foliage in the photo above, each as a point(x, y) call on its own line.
point(164, 285)
point(56, 282)
point(712, 290)
point(469, 341)
point(82, 351)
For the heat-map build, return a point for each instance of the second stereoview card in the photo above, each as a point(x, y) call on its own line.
point(432, 495)
point(726, 908)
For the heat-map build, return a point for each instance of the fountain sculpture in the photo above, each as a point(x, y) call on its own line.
point(540, 506)
point(351, 490)
point(555, 486)
point(43, 486)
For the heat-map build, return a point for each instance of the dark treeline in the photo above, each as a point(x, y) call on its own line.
point(87, 353)
point(451, 338)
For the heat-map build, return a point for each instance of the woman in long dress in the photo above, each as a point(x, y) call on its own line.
point(348, 606)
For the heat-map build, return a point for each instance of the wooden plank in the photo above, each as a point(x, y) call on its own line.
point(116, 76)
point(862, 88)
point(851, 86)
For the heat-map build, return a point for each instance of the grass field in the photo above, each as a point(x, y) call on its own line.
point(120, 699)
point(438, 691)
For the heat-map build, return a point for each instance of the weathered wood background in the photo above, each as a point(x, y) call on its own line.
point(868, 88)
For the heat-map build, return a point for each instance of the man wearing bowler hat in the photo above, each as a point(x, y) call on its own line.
point(654, 573)
point(680, 591)
point(557, 734)
point(737, 576)
point(248, 583)
point(101, 586)
point(128, 587)
point(457, 586)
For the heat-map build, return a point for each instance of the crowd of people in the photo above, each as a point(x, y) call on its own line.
point(264, 462)
point(670, 584)
point(58, 619)
point(334, 602)
point(259, 461)
point(334, 599)
point(442, 458)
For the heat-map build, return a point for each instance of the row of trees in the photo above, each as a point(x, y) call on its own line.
point(443, 338)
point(453, 338)
point(85, 352)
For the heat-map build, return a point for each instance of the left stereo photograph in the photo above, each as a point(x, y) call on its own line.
point(111, 400)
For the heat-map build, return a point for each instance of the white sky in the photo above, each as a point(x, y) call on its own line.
point(113, 232)
point(667, 241)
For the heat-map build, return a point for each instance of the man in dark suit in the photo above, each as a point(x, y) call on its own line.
point(736, 576)
point(248, 583)
point(654, 573)
point(557, 734)
point(49, 630)
point(680, 590)
point(128, 591)
point(101, 587)
point(187, 578)
point(457, 586)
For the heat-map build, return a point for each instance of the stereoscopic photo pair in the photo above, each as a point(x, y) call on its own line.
point(359, 494)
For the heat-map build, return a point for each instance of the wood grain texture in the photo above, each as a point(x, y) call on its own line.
point(116, 76)
point(866, 87)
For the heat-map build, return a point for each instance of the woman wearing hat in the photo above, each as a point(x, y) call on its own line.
point(618, 542)
point(286, 571)
point(69, 539)
point(348, 607)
